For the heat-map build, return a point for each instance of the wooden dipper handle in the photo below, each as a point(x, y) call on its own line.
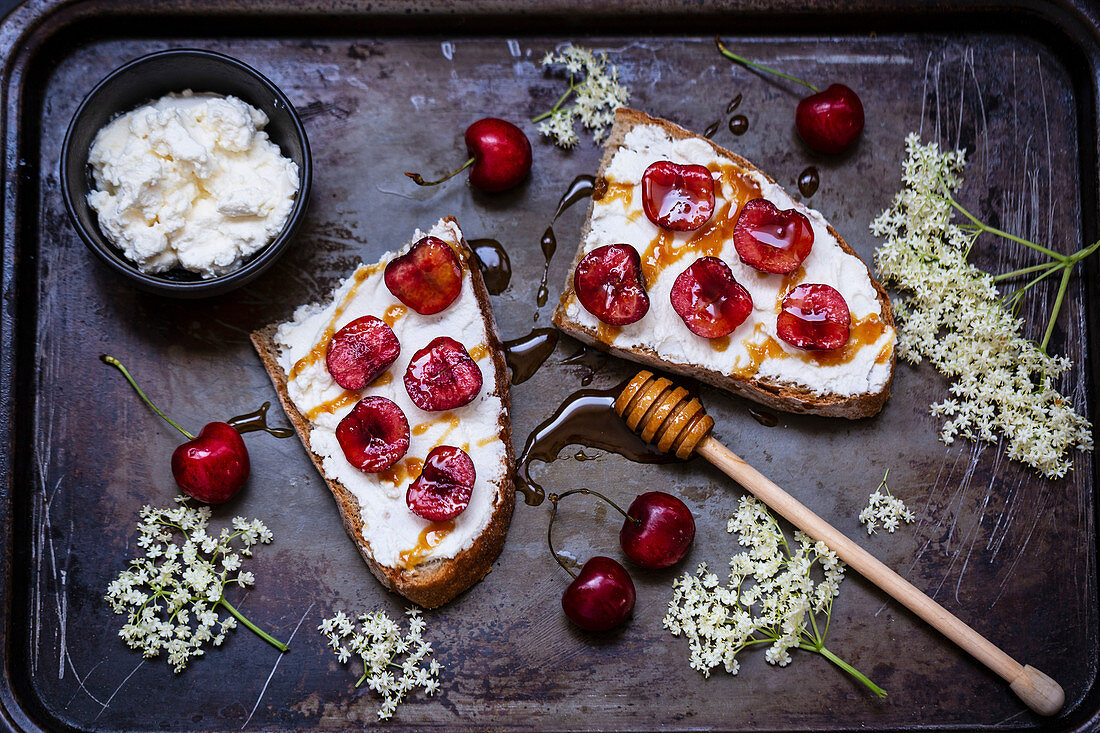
point(668, 417)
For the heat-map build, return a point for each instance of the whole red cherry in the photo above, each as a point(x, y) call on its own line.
point(658, 530)
point(500, 155)
point(830, 121)
point(213, 466)
point(601, 596)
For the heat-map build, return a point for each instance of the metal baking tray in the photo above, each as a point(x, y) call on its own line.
point(389, 87)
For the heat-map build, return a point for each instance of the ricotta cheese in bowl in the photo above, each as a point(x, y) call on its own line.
point(191, 181)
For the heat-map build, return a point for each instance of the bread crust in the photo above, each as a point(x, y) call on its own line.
point(771, 393)
point(433, 582)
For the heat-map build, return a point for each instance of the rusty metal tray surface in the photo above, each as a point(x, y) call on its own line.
point(384, 87)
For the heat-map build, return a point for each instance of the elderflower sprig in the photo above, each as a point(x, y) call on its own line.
point(885, 508)
point(379, 643)
point(770, 598)
point(953, 315)
point(171, 596)
point(597, 93)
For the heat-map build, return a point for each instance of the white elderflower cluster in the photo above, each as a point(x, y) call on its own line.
point(379, 643)
point(171, 595)
point(771, 597)
point(596, 92)
point(885, 508)
point(952, 314)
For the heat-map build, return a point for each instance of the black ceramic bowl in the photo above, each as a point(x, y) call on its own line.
point(147, 79)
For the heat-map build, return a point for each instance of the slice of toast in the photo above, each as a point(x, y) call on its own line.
point(852, 382)
point(396, 544)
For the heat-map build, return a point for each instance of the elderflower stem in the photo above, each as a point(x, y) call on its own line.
point(1057, 306)
point(846, 667)
point(1026, 270)
point(255, 629)
point(994, 230)
point(753, 65)
point(558, 104)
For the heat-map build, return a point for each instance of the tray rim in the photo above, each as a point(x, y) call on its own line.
point(31, 25)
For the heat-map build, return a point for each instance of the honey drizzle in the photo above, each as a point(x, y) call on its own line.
point(720, 344)
point(486, 441)
point(394, 314)
point(330, 406)
point(606, 333)
point(615, 190)
point(790, 281)
point(479, 352)
point(382, 380)
point(448, 417)
point(402, 471)
point(430, 537)
point(769, 348)
point(320, 349)
point(865, 331)
point(885, 354)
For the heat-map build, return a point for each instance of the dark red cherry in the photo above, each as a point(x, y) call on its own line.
point(601, 596)
point(213, 466)
point(677, 197)
point(658, 530)
point(427, 278)
point(830, 121)
point(771, 240)
point(708, 299)
point(442, 376)
point(443, 488)
point(374, 435)
point(609, 284)
point(500, 155)
point(814, 316)
point(360, 351)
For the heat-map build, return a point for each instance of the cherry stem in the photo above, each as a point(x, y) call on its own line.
point(753, 65)
point(419, 180)
point(549, 536)
point(118, 365)
point(555, 498)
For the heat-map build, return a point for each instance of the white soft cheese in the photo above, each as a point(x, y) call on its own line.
point(389, 527)
point(190, 180)
point(663, 331)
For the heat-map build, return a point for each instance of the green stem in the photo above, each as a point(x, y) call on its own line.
point(1057, 307)
point(255, 629)
point(118, 365)
point(753, 65)
point(846, 667)
point(558, 104)
point(1025, 271)
point(994, 230)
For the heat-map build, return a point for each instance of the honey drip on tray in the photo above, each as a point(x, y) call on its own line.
point(586, 418)
point(493, 262)
point(257, 420)
point(526, 354)
point(581, 187)
point(429, 539)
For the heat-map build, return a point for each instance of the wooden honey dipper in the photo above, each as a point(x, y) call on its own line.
point(667, 416)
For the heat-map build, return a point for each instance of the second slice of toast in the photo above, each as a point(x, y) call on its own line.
point(427, 562)
point(852, 382)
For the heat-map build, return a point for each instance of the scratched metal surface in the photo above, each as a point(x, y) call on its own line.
point(1013, 555)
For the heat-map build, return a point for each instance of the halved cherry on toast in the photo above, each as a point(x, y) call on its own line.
point(427, 278)
point(677, 197)
point(442, 376)
point(374, 435)
point(443, 488)
point(360, 351)
point(771, 240)
point(815, 317)
point(609, 284)
point(709, 300)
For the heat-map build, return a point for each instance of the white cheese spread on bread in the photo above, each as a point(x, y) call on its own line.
point(753, 350)
point(396, 537)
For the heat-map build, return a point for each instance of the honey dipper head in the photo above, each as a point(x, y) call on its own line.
point(663, 414)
